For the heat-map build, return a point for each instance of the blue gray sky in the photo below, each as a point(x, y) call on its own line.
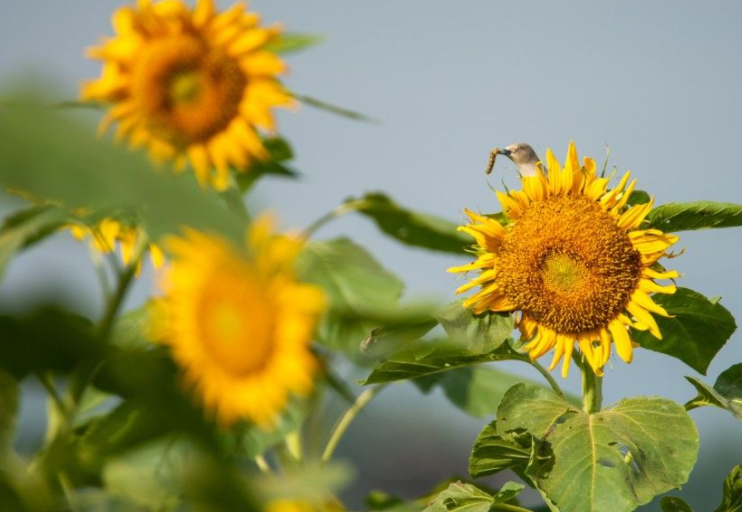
point(658, 82)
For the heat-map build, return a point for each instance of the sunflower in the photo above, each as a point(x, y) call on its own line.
point(238, 323)
point(191, 84)
point(108, 233)
point(573, 261)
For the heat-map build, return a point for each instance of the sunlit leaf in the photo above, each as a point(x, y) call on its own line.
point(610, 461)
point(461, 497)
point(494, 452)
point(672, 217)
point(479, 333)
point(695, 332)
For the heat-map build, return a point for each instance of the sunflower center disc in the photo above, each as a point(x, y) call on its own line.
point(186, 90)
point(236, 326)
point(567, 265)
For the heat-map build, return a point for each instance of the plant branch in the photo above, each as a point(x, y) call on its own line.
point(342, 425)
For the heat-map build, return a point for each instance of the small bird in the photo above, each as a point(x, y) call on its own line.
point(521, 154)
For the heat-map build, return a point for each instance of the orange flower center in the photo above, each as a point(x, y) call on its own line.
point(236, 324)
point(567, 265)
point(187, 91)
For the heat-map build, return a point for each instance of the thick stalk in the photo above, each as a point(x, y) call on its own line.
point(592, 390)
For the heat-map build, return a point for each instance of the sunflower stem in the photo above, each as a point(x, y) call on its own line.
point(592, 390)
point(543, 371)
point(117, 298)
point(342, 425)
point(339, 211)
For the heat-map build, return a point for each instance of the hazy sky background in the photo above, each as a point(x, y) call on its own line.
point(659, 82)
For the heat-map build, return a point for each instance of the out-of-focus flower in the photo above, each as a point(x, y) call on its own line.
point(191, 84)
point(238, 322)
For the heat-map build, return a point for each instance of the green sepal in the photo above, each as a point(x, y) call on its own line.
point(279, 152)
point(726, 393)
point(673, 217)
point(695, 331)
point(291, 42)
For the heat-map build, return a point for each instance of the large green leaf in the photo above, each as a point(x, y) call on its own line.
point(358, 289)
point(426, 358)
point(25, 227)
point(46, 340)
point(51, 155)
point(610, 461)
point(726, 393)
point(731, 500)
point(411, 227)
point(479, 333)
point(672, 217)
point(697, 329)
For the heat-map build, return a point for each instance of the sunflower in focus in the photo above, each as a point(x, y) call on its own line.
point(573, 261)
point(238, 322)
point(191, 84)
point(108, 233)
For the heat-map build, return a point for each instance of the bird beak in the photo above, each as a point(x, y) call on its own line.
point(505, 152)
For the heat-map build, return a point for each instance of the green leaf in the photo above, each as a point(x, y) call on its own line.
point(50, 155)
point(478, 333)
point(611, 461)
point(638, 197)
point(494, 452)
point(461, 497)
point(46, 340)
point(279, 151)
point(291, 42)
point(357, 287)
point(673, 217)
point(411, 227)
point(726, 393)
point(426, 358)
point(26, 227)
point(475, 390)
point(673, 504)
point(731, 499)
point(697, 330)
point(508, 492)
point(151, 475)
point(333, 109)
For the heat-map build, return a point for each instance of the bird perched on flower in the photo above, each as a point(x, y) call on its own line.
point(521, 154)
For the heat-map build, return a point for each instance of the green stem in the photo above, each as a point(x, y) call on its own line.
point(592, 390)
point(49, 386)
point(116, 300)
point(543, 371)
point(341, 210)
point(342, 425)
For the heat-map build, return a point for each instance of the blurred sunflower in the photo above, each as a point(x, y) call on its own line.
point(107, 233)
point(572, 261)
point(239, 324)
point(191, 84)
